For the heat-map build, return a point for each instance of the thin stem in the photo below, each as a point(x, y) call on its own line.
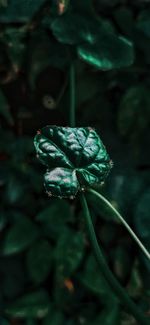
point(108, 275)
point(103, 200)
point(72, 95)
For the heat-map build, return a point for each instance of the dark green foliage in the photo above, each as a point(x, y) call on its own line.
point(39, 260)
point(96, 41)
point(19, 237)
point(4, 109)
point(19, 11)
point(35, 304)
point(48, 275)
point(68, 257)
point(54, 218)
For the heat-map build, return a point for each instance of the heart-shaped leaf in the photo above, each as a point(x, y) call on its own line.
point(96, 41)
point(75, 157)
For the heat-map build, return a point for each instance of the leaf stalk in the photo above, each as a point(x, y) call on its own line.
point(106, 272)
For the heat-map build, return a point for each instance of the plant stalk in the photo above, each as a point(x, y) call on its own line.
point(72, 96)
point(103, 200)
point(108, 275)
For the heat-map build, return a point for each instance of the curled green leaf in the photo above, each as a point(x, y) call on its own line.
point(75, 158)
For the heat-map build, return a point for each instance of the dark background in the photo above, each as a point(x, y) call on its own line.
point(48, 274)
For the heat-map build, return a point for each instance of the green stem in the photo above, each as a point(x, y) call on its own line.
point(108, 275)
point(72, 95)
point(103, 201)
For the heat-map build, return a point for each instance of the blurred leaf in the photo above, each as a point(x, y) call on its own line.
point(109, 316)
point(3, 3)
point(142, 228)
point(31, 321)
point(141, 218)
point(93, 280)
point(84, 6)
point(135, 285)
point(44, 52)
point(99, 4)
point(134, 112)
point(3, 220)
point(122, 260)
point(107, 233)
point(5, 109)
point(15, 190)
point(14, 40)
point(124, 18)
point(53, 219)
point(34, 305)
point(109, 52)
point(21, 235)
point(69, 253)
point(143, 22)
point(123, 189)
point(4, 321)
point(97, 43)
point(69, 28)
point(39, 260)
point(65, 299)
point(6, 137)
point(13, 277)
point(88, 88)
point(16, 11)
point(54, 317)
point(21, 148)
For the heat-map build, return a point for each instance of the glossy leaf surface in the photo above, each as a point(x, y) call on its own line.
point(75, 158)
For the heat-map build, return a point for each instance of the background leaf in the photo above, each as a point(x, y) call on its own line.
point(19, 11)
point(5, 109)
point(34, 305)
point(54, 218)
point(19, 237)
point(69, 253)
point(39, 260)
